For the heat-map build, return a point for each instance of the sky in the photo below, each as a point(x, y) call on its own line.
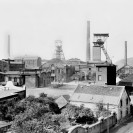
point(35, 25)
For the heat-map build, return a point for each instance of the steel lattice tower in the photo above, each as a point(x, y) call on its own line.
point(59, 51)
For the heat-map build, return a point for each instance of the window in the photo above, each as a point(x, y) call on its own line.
point(15, 79)
point(121, 114)
point(127, 101)
point(99, 69)
point(120, 103)
point(99, 78)
point(127, 111)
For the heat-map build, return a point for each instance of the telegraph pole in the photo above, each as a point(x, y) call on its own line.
point(107, 118)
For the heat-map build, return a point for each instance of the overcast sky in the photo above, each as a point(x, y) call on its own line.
point(34, 25)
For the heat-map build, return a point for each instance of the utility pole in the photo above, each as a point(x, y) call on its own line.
point(107, 118)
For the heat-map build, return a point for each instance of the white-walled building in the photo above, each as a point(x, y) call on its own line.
point(114, 96)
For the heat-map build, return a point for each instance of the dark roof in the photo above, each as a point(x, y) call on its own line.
point(100, 90)
point(128, 78)
point(124, 67)
point(104, 65)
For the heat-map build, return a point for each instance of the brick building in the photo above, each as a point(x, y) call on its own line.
point(30, 61)
point(59, 69)
point(106, 74)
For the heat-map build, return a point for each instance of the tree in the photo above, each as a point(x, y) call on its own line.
point(78, 114)
point(39, 116)
point(101, 110)
point(43, 95)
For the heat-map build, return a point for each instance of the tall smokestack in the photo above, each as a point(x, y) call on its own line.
point(125, 53)
point(88, 54)
point(8, 46)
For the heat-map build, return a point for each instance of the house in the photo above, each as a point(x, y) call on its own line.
point(128, 81)
point(115, 97)
point(124, 70)
point(106, 74)
point(13, 72)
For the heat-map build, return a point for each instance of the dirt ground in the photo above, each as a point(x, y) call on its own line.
point(54, 92)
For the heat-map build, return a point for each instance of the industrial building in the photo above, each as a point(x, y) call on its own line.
point(101, 72)
point(30, 61)
point(60, 71)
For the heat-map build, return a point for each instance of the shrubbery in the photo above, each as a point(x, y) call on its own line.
point(42, 115)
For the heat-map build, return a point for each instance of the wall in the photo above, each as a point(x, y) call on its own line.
point(96, 53)
point(111, 75)
point(98, 127)
point(112, 108)
point(2, 77)
point(125, 107)
point(30, 62)
point(30, 81)
point(45, 79)
point(103, 72)
point(4, 66)
point(16, 66)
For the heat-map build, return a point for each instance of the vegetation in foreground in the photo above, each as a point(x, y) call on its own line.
point(42, 115)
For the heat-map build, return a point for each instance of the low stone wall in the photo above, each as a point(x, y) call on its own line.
point(102, 125)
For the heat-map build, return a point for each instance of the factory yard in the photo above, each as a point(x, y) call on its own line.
point(67, 89)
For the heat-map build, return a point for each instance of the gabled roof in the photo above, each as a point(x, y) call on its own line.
point(127, 66)
point(100, 90)
point(95, 94)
